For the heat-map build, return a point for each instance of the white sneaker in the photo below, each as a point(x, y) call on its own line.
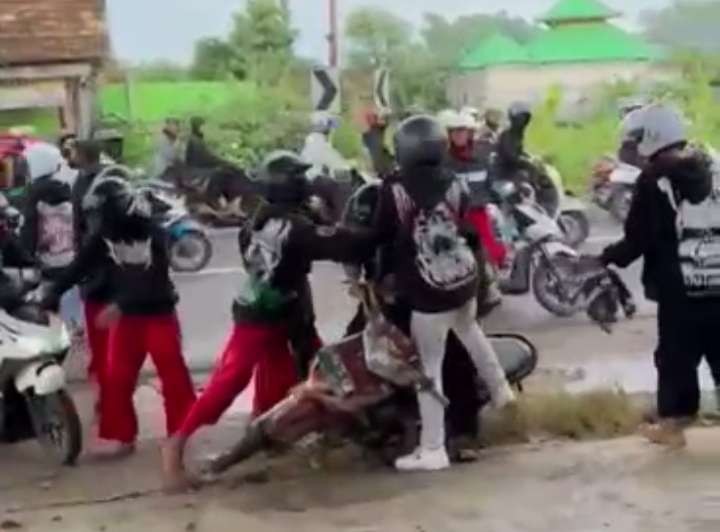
point(424, 460)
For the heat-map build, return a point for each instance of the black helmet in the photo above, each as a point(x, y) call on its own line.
point(421, 141)
point(361, 207)
point(113, 199)
point(284, 176)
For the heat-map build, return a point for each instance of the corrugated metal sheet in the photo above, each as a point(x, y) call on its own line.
point(49, 31)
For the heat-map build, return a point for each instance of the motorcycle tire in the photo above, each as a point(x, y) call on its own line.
point(544, 281)
point(620, 203)
point(57, 426)
point(575, 227)
point(199, 260)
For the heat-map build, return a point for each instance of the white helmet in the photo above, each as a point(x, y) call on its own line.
point(474, 112)
point(453, 120)
point(631, 126)
point(323, 122)
point(662, 126)
point(447, 117)
point(43, 159)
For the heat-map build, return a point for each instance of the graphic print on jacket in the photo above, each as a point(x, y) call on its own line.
point(56, 240)
point(261, 258)
point(699, 240)
point(443, 258)
point(137, 253)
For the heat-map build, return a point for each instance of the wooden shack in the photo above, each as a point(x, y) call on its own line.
point(50, 54)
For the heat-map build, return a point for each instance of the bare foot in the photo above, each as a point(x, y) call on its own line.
point(175, 478)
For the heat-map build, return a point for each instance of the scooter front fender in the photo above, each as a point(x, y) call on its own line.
point(44, 378)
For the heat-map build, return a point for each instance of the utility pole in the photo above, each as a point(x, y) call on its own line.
point(333, 35)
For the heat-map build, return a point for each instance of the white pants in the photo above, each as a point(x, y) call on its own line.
point(430, 332)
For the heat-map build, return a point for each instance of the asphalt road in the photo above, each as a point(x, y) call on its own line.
point(206, 297)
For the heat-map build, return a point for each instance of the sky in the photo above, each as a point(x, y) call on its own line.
point(147, 30)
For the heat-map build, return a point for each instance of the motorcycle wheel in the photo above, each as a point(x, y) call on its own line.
point(547, 284)
point(191, 252)
point(620, 203)
point(575, 227)
point(57, 426)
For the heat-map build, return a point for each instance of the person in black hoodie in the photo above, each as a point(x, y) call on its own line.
point(132, 249)
point(95, 287)
point(420, 220)
point(673, 225)
point(278, 247)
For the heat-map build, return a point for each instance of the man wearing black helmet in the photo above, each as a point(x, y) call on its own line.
point(278, 246)
point(132, 249)
point(420, 219)
point(511, 156)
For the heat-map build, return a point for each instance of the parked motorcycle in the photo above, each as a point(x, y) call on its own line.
point(539, 258)
point(34, 402)
point(190, 246)
point(612, 185)
point(353, 389)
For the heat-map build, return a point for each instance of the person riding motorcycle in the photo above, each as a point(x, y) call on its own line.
point(672, 224)
point(198, 154)
point(383, 162)
point(512, 159)
point(319, 151)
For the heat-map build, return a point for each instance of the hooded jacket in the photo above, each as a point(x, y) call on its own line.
point(652, 228)
point(134, 256)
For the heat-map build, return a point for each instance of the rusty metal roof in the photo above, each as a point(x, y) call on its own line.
point(52, 31)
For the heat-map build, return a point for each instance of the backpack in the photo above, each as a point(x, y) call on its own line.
point(698, 228)
point(55, 244)
point(443, 258)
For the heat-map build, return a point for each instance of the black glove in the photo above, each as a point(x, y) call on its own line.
point(44, 296)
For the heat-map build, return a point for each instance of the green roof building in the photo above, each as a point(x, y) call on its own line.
point(577, 47)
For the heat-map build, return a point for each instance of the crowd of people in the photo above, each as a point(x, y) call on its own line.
point(434, 241)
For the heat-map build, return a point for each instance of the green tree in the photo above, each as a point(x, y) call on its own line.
point(685, 24)
point(264, 38)
point(215, 59)
point(449, 39)
point(375, 36)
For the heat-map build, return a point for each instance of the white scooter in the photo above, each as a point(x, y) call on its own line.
point(539, 258)
point(571, 214)
point(34, 401)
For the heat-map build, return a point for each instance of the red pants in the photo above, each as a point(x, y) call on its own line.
point(131, 339)
point(97, 340)
point(480, 220)
point(252, 348)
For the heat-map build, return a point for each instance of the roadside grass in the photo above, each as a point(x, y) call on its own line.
point(602, 414)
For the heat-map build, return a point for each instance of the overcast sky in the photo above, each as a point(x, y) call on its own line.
point(166, 29)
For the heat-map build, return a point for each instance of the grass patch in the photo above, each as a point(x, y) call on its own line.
point(593, 415)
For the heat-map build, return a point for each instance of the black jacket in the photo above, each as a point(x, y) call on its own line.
point(511, 150)
point(95, 285)
point(46, 190)
point(651, 234)
point(426, 189)
point(199, 155)
point(135, 259)
point(12, 255)
point(278, 248)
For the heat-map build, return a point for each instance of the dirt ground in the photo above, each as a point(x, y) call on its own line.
point(623, 485)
